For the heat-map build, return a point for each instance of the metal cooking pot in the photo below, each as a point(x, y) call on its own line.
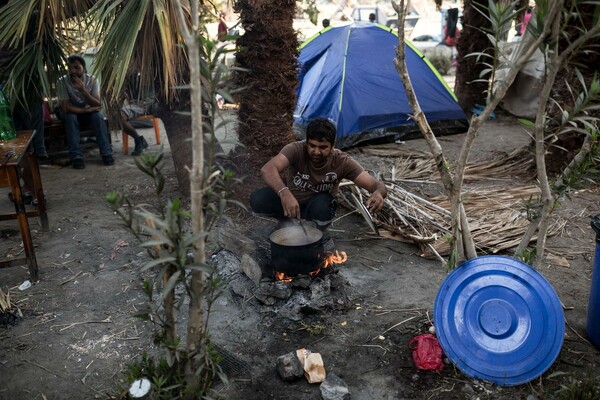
point(296, 250)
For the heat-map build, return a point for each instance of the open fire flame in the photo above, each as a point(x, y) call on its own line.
point(331, 259)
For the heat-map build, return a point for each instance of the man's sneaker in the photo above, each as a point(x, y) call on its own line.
point(108, 160)
point(140, 145)
point(77, 163)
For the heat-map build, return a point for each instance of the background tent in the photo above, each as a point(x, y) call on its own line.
point(347, 74)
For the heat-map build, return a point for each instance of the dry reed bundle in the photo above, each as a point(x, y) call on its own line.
point(497, 216)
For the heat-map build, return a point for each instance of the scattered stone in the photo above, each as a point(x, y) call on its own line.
point(338, 281)
point(251, 268)
point(265, 299)
point(302, 282)
point(334, 388)
point(279, 290)
point(293, 308)
point(320, 294)
point(312, 307)
point(318, 305)
point(289, 367)
point(233, 241)
point(532, 397)
point(242, 286)
point(319, 289)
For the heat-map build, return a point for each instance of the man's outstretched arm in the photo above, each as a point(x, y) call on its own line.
point(376, 188)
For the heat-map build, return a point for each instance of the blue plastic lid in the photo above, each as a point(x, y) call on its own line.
point(499, 320)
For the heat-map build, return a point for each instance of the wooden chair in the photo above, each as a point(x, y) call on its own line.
point(141, 119)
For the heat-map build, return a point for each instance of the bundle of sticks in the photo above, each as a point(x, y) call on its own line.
point(498, 214)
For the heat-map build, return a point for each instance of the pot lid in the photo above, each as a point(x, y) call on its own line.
point(499, 320)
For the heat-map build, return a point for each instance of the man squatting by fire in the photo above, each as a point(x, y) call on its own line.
point(315, 172)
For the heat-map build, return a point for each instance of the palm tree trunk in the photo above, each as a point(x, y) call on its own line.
point(471, 40)
point(268, 54)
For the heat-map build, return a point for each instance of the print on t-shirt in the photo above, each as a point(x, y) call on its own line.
point(302, 182)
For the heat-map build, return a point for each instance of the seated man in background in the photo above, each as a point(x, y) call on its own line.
point(79, 100)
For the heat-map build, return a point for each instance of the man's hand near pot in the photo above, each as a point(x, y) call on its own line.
point(291, 208)
point(271, 173)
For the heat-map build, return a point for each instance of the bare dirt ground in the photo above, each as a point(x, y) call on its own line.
point(78, 332)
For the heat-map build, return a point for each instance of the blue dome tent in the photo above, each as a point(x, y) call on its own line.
point(347, 74)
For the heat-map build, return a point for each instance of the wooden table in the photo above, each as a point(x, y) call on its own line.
point(15, 154)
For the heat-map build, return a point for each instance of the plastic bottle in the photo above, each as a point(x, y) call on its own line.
point(7, 128)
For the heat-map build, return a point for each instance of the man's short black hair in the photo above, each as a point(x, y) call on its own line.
point(75, 58)
point(321, 128)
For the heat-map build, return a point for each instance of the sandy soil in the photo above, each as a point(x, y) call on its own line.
point(78, 331)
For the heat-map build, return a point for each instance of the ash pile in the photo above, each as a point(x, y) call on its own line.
point(250, 283)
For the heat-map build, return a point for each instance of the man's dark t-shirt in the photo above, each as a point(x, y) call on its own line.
point(304, 180)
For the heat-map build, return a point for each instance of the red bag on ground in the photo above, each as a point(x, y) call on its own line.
point(427, 353)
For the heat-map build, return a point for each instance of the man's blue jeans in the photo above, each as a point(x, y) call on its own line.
point(320, 208)
point(96, 120)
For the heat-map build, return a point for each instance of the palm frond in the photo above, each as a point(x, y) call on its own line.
point(35, 31)
point(142, 37)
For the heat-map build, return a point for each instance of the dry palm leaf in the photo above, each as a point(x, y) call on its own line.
point(414, 164)
point(497, 217)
